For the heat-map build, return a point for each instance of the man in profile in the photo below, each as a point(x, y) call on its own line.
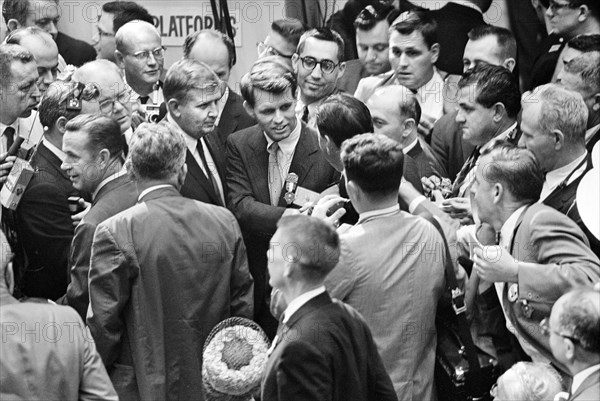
point(324, 349)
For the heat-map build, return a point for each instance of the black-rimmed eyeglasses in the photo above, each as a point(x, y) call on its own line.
point(327, 66)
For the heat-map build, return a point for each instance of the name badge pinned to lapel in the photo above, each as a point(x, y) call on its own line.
point(513, 292)
point(554, 48)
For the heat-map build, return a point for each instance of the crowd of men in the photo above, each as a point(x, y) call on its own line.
point(162, 202)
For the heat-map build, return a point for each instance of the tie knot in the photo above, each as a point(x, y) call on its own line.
point(9, 131)
point(144, 99)
point(273, 148)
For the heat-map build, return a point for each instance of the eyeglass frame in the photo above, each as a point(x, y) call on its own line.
point(320, 64)
point(144, 55)
point(546, 330)
point(91, 92)
point(271, 50)
point(554, 6)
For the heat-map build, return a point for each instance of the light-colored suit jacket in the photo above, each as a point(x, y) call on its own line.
point(392, 271)
point(589, 390)
point(46, 354)
point(163, 274)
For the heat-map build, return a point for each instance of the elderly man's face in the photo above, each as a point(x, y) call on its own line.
point(21, 94)
point(412, 59)
point(104, 37)
point(212, 52)
point(46, 58)
point(372, 47)
point(81, 164)
point(314, 83)
point(44, 14)
point(533, 138)
point(197, 113)
point(386, 117)
point(142, 66)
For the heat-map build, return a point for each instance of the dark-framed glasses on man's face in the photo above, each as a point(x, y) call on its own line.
point(143, 55)
point(107, 106)
point(327, 66)
point(271, 51)
point(546, 330)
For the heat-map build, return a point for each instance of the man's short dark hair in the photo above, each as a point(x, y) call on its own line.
point(103, 133)
point(268, 74)
point(16, 9)
point(192, 38)
point(291, 29)
point(516, 169)
point(374, 162)
point(342, 116)
point(587, 66)
point(373, 14)
point(494, 84)
point(54, 103)
point(313, 244)
point(126, 11)
point(506, 40)
point(420, 21)
point(325, 34)
point(580, 318)
point(585, 43)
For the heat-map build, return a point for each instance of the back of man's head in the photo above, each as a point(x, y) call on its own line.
point(268, 74)
point(156, 153)
point(102, 133)
point(372, 14)
point(342, 116)
point(494, 84)
point(516, 169)
point(204, 34)
point(374, 163)
point(15, 9)
point(54, 104)
point(291, 29)
point(579, 317)
point(313, 245)
point(126, 11)
point(507, 44)
point(187, 74)
point(585, 43)
point(587, 68)
point(417, 21)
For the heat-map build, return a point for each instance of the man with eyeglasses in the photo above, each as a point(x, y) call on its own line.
point(567, 19)
point(114, 15)
point(372, 36)
point(573, 331)
point(217, 50)
point(318, 66)
point(46, 14)
point(542, 254)
point(141, 55)
point(94, 163)
point(282, 39)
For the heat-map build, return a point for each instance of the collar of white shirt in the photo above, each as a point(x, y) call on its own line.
point(108, 179)
point(410, 146)
point(299, 301)
point(508, 228)
point(153, 188)
point(57, 152)
point(287, 145)
point(379, 212)
point(128, 134)
point(555, 177)
point(580, 377)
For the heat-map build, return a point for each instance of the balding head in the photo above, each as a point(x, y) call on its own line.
point(140, 54)
point(212, 48)
point(106, 92)
point(396, 113)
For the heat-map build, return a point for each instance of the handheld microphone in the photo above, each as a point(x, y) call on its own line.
point(291, 183)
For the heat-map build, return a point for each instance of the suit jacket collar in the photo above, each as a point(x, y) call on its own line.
point(53, 160)
point(111, 185)
point(231, 112)
point(311, 306)
point(416, 150)
point(160, 193)
point(592, 380)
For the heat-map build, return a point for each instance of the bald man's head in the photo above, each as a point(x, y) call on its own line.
point(396, 113)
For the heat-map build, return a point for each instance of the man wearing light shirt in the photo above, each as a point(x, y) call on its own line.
point(94, 163)
point(321, 343)
point(574, 335)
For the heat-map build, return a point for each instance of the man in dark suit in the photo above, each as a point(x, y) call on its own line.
point(94, 163)
point(324, 349)
point(574, 335)
point(216, 50)
point(192, 92)
point(44, 223)
point(541, 255)
point(396, 114)
point(553, 125)
point(487, 44)
point(261, 158)
point(162, 274)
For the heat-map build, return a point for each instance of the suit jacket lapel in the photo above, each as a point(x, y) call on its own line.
point(259, 165)
point(196, 174)
point(591, 380)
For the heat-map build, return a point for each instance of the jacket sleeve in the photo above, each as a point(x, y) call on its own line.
point(242, 285)
point(564, 259)
point(110, 289)
point(341, 280)
point(253, 216)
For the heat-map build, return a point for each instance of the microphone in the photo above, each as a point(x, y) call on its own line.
point(291, 183)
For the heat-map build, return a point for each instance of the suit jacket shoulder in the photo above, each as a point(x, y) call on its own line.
point(352, 75)
point(74, 51)
point(233, 117)
point(589, 389)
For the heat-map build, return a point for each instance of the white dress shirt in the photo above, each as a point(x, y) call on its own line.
point(555, 177)
point(287, 148)
point(580, 377)
point(56, 151)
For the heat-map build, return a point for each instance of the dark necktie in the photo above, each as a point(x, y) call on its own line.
point(209, 175)
point(305, 114)
point(464, 171)
point(9, 133)
point(144, 99)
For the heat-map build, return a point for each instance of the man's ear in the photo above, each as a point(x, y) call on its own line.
point(498, 193)
point(499, 111)
point(249, 109)
point(569, 349)
point(435, 52)
point(174, 108)
point(12, 24)
point(353, 190)
point(119, 58)
point(584, 13)
point(596, 105)
point(341, 69)
point(408, 126)
point(61, 124)
point(181, 175)
point(295, 61)
point(558, 138)
point(509, 64)
point(103, 157)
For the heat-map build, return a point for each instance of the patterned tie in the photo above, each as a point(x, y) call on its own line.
point(464, 172)
point(9, 133)
point(209, 174)
point(275, 180)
